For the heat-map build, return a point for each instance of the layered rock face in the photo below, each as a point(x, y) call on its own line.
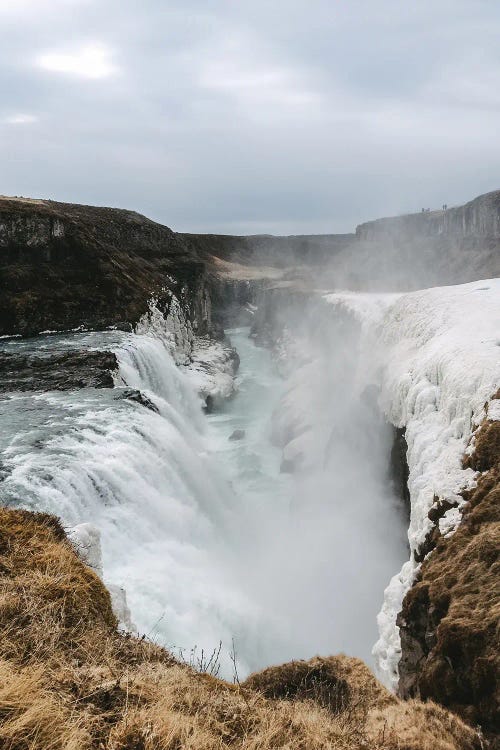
point(410, 252)
point(434, 355)
point(478, 218)
point(267, 250)
point(63, 266)
point(402, 253)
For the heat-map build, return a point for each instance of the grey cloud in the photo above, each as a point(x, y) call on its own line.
point(254, 116)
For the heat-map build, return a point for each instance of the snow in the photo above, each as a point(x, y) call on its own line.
point(120, 608)
point(211, 368)
point(449, 523)
point(174, 330)
point(240, 272)
point(494, 410)
point(209, 365)
point(439, 354)
point(86, 540)
point(367, 308)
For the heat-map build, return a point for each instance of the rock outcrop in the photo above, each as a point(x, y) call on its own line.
point(60, 372)
point(478, 218)
point(268, 250)
point(63, 266)
point(343, 685)
point(426, 249)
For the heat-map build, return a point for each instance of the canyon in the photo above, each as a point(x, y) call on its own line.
point(360, 374)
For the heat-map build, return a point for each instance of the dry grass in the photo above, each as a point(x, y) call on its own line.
point(70, 681)
point(32, 717)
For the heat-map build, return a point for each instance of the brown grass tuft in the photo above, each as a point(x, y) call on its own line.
point(32, 717)
point(341, 684)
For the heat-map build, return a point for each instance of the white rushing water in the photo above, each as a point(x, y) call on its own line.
point(211, 542)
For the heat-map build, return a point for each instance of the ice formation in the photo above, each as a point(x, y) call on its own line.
point(440, 359)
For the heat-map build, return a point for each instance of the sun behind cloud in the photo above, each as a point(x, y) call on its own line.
point(20, 118)
point(94, 60)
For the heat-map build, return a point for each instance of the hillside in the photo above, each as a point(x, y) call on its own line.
point(70, 681)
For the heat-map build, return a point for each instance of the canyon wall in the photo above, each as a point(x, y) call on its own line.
point(478, 218)
point(449, 619)
point(268, 250)
point(63, 265)
point(431, 248)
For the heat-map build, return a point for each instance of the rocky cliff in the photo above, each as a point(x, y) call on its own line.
point(431, 248)
point(478, 218)
point(268, 250)
point(438, 378)
point(64, 266)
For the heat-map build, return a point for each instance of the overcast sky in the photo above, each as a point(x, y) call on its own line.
point(242, 116)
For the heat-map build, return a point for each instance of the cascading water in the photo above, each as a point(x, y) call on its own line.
point(211, 541)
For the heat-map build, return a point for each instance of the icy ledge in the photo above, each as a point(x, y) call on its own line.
point(439, 354)
point(86, 540)
point(210, 365)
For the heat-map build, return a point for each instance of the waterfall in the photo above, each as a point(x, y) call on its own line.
point(149, 482)
point(210, 540)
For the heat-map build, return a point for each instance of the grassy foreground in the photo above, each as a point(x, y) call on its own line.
point(69, 680)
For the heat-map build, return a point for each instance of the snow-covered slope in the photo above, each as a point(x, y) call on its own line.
point(439, 352)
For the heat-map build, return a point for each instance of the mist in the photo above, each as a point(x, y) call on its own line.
point(320, 553)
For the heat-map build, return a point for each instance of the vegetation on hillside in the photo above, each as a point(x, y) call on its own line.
point(70, 680)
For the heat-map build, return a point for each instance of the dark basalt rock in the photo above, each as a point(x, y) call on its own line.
point(62, 372)
point(438, 510)
point(237, 435)
point(133, 394)
point(64, 265)
point(399, 470)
